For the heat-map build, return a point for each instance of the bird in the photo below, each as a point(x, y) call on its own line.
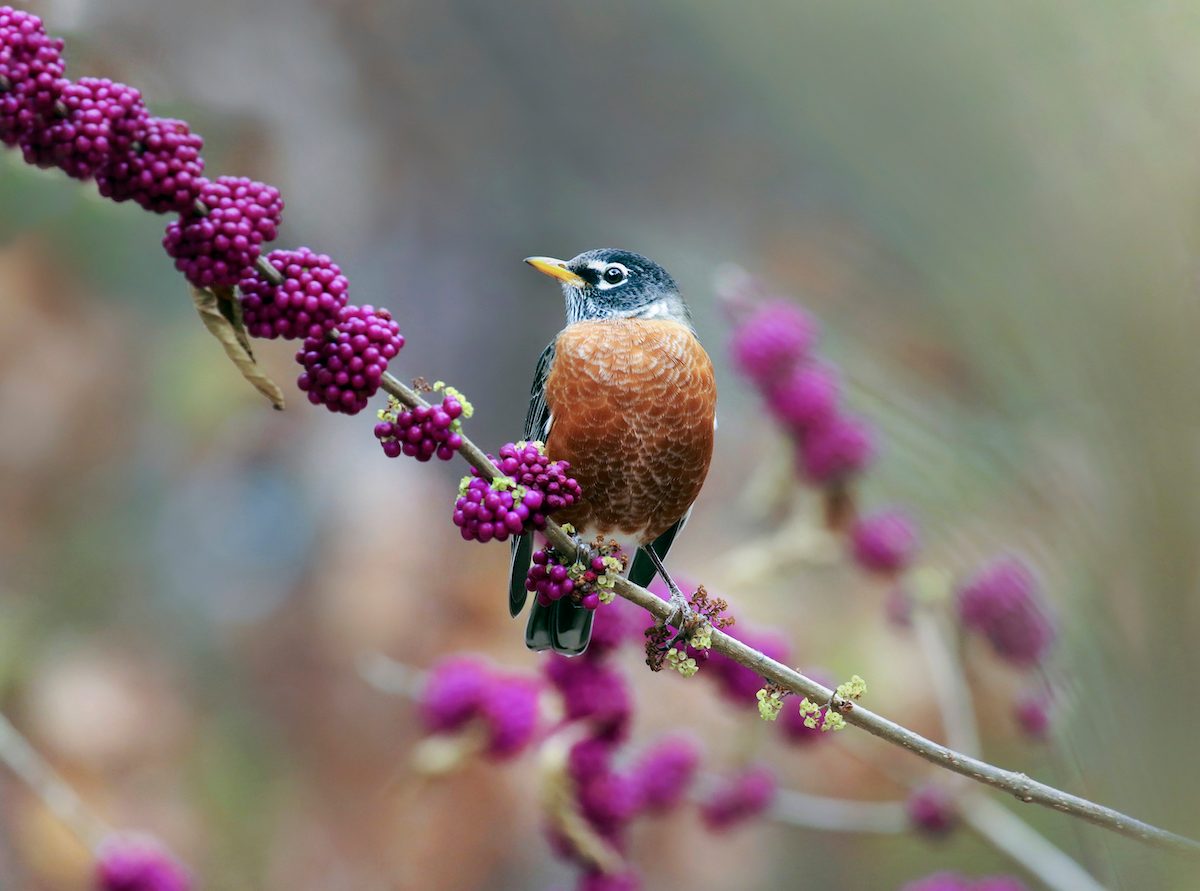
point(627, 395)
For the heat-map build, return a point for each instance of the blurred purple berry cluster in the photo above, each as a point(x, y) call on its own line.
point(464, 690)
point(131, 862)
point(773, 345)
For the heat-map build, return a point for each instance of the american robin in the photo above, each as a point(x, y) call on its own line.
point(627, 395)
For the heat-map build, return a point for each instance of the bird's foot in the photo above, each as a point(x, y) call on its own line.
point(682, 617)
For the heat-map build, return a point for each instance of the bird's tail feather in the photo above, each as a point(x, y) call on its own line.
point(562, 626)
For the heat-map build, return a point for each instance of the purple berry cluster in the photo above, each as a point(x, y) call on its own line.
point(92, 127)
point(31, 75)
point(884, 542)
point(528, 465)
point(424, 431)
point(951, 881)
point(162, 173)
point(95, 128)
point(740, 797)
point(138, 863)
point(493, 510)
point(772, 345)
point(604, 796)
point(218, 248)
point(308, 302)
point(1033, 710)
point(532, 488)
point(1004, 602)
point(462, 691)
point(343, 370)
point(932, 810)
point(553, 576)
point(102, 121)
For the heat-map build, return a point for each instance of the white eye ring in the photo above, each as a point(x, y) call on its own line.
point(614, 274)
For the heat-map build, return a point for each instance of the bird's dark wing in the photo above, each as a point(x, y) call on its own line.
point(537, 427)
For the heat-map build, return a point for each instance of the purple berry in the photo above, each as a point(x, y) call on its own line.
point(219, 249)
point(103, 120)
point(307, 304)
point(884, 542)
point(138, 863)
point(161, 172)
point(343, 371)
point(774, 338)
point(1004, 602)
point(32, 64)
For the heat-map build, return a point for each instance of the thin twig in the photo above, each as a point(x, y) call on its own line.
point(838, 814)
point(53, 790)
point(949, 682)
point(1011, 835)
point(1016, 784)
point(995, 824)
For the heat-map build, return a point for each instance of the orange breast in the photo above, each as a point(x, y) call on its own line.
point(632, 404)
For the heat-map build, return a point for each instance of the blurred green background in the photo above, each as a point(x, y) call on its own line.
point(993, 208)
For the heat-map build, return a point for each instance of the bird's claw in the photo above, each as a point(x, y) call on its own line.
point(682, 617)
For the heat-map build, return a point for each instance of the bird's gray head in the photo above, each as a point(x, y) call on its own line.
point(613, 284)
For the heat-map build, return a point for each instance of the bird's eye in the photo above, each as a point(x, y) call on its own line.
point(614, 275)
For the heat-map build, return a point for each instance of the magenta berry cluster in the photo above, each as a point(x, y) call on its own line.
point(768, 341)
point(102, 121)
point(307, 303)
point(773, 345)
point(32, 69)
point(1004, 602)
point(884, 542)
point(740, 797)
point(605, 795)
point(532, 487)
point(528, 465)
point(553, 576)
point(1032, 711)
point(462, 690)
point(932, 810)
point(217, 248)
point(423, 431)
point(493, 510)
point(343, 370)
point(162, 172)
point(130, 862)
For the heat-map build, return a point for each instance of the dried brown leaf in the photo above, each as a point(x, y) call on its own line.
point(222, 316)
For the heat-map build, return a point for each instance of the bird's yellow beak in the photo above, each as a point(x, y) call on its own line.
point(556, 269)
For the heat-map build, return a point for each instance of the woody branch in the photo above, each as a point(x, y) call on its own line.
point(1019, 785)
